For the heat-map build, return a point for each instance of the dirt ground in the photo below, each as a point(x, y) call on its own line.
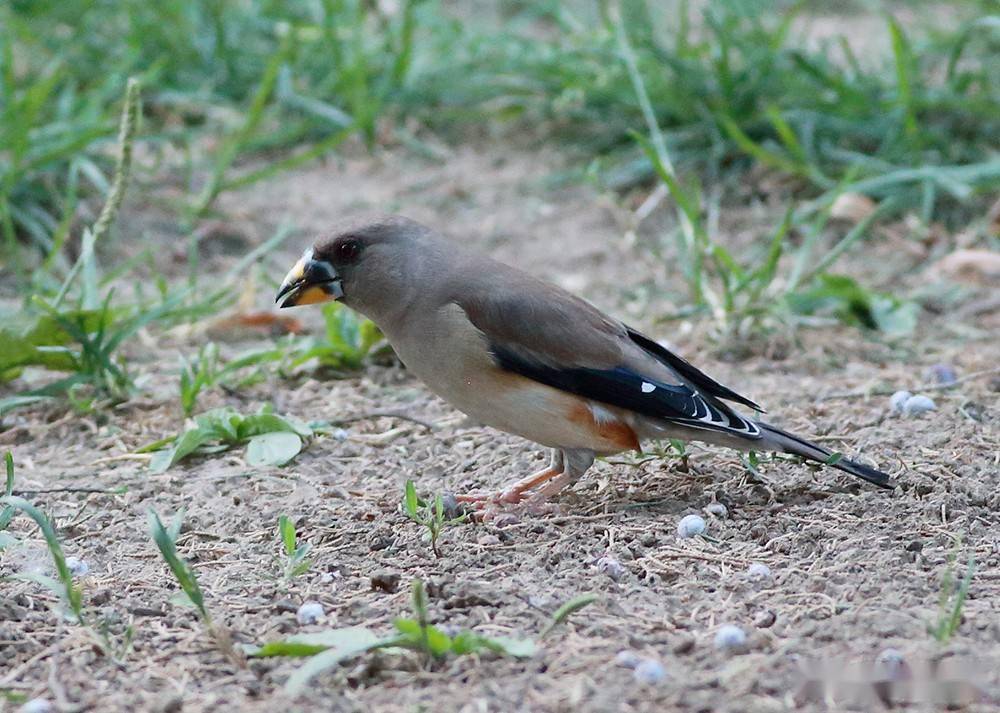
point(855, 570)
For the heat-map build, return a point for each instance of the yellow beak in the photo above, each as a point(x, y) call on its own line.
point(310, 281)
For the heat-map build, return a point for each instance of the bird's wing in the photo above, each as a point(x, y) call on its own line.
point(543, 333)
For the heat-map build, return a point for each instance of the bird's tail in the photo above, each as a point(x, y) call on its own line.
point(778, 440)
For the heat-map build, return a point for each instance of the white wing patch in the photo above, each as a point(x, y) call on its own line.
point(601, 414)
point(648, 388)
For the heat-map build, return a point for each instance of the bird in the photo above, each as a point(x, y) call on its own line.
point(518, 353)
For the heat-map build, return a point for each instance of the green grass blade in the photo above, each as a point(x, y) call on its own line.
point(411, 501)
point(181, 570)
point(567, 610)
point(71, 593)
point(903, 58)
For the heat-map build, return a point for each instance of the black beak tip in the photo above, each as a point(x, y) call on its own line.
point(283, 294)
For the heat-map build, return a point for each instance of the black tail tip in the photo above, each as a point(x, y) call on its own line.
point(865, 472)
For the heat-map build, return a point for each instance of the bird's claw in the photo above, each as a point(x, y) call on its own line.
point(495, 507)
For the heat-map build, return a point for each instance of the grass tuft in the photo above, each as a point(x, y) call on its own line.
point(429, 514)
point(296, 560)
point(952, 600)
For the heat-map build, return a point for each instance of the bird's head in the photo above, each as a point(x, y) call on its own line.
point(369, 265)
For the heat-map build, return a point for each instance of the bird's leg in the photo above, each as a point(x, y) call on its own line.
point(515, 493)
point(576, 462)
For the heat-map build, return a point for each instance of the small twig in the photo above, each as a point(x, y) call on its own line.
point(46, 491)
point(919, 387)
point(382, 414)
point(123, 456)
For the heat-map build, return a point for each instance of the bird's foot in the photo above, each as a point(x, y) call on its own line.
point(489, 506)
point(508, 496)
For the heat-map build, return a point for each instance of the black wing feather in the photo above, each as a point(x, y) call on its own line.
point(689, 371)
point(627, 389)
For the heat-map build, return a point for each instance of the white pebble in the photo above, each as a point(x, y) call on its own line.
point(611, 567)
point(916, 405)
point(627, 659)
point(759, 572)
point(649, 672)
point(730, 637)
point(339, 434)
point(690, 525)
point(37, 705)
point(898, 400)
point(717, 510)
point(891, 664)
point(309, 613)
point(77, 567)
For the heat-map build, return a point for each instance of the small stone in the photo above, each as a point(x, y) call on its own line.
point(450, 507)
point(943, 374)
point(898, 400)
point(539, 601)
point(916, 405)
point(891, 665)
point(339, 434)
point(690, 525)
point(385, 581)
point(627, 659)
point(717, 510)
point(649, 672)
point(730, 638)
point(284, 605)
point(309, 613)
point(683, 645)
point(611, 567)
point(170, 704)
point(765, 619)
point(759, 572)
point(37, 705)
point(77, 567)
point(975, 411)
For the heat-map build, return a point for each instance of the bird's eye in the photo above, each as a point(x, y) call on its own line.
point(348, 251)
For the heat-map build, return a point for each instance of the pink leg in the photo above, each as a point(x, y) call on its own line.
point(515, 492)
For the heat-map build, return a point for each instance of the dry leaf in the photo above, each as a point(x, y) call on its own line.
point(977, 266)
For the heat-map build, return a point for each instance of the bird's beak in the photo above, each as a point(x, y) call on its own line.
point(310, 281)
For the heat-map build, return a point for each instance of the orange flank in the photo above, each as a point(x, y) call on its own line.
point(611, 431)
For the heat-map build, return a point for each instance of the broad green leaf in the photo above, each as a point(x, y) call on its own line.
point(518, 648)
point(27, 338)
point(332, 657)
point(411, 501)
point(423, 638)
point(287, 531)
point(220, 424)
point(273, 448)
point(9, 404)
point(257, 424)
point(353, 637)
point(470, 642)
point(188, 443)
point(846, 299)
